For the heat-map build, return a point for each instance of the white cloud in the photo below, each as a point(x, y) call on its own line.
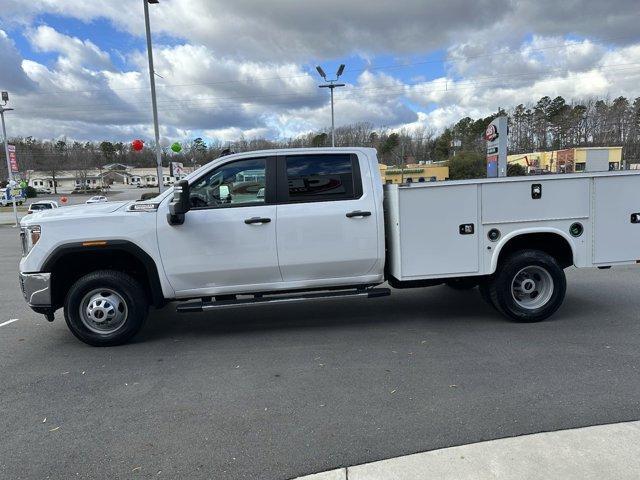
point(12, 76)
point(241, 68)
point(72, 49)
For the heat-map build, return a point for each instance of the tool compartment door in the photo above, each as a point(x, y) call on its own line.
point(616, 238)
point(431, 242)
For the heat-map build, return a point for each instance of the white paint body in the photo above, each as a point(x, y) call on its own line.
point(423, 219)
point(314, 245)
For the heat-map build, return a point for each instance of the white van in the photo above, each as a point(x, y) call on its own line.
point(6, 200)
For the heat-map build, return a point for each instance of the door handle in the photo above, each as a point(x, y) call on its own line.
point(358, 213)
point(256, 220)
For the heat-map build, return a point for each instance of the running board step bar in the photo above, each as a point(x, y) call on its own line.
point(201, 305)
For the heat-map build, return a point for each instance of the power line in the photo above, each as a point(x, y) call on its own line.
point(594, 127)
point(202, 101)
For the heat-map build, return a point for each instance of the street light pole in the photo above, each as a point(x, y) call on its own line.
point(154, 105)
point(10, 176)
point(331, 85)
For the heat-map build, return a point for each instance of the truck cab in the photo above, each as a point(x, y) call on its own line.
point(277, 220)
point(299, 220)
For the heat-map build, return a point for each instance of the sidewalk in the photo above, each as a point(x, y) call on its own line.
point(590, 453)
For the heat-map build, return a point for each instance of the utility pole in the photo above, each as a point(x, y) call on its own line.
point(331, 84)
point(10, 176)
point(152, 81)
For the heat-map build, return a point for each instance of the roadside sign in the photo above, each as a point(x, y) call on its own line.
point(496, 138)
point(13, 161)
point(177, 169)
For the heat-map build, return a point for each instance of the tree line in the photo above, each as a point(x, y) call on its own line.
point(545, 125)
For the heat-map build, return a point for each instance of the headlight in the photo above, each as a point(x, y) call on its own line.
point(30, 236)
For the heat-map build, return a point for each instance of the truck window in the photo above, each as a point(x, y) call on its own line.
point(234, 184)
point(321, 178)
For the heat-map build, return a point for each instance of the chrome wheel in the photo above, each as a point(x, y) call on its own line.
point(103, 311)
point(532, 287)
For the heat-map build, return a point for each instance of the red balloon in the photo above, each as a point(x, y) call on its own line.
point(137, 145)
point(64, 199)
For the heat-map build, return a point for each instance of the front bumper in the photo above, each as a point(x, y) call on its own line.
point(36, 289)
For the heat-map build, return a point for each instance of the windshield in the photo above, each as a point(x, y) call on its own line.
point(40, 206)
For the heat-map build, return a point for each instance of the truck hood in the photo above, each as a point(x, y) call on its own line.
point(74, 211)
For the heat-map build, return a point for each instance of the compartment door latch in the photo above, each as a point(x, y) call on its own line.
point(466, 229)
point(536, 191)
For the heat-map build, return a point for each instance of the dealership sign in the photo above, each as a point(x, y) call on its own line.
point(491, 133)
point(177, 169)
point(496, 137)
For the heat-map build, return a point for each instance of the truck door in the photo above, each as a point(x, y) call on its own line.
point(327, 222)
point(439, 230)
point(616, 219)
point(228, 239)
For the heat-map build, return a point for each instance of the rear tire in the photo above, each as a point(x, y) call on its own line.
point(483, 287)
point(529, 286)
point(105, 308)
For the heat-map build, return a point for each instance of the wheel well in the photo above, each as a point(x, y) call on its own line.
point(72, 263)
point(551, 243)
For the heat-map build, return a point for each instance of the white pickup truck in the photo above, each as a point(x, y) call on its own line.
point(304, 224)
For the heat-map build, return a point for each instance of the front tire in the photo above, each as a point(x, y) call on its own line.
point(105, 308)
point(528, 287)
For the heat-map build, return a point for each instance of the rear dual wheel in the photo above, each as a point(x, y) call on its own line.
point(529, 286)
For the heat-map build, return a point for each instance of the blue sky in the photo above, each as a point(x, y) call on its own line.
point(78, 69)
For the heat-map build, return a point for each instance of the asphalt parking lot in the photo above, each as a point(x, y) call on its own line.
point(274, 392)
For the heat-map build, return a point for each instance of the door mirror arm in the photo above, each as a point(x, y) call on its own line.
point(180, 204)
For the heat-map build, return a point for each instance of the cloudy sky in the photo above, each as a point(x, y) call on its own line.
point(77, 68)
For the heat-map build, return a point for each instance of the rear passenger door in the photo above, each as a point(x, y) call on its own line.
point(327, 222)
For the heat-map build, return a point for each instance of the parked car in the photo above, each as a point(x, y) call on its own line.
point(326, 228)
point(42, 205)
point(43, 191)
point(97, 199)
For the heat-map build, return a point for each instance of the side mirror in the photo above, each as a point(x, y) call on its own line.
point(180, 203)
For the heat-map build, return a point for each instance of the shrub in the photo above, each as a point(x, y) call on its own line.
point(516, 170)
point(467, 165)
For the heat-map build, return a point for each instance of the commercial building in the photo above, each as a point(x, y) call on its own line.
point(569, 160)
point(414, 172)
point(112, 174)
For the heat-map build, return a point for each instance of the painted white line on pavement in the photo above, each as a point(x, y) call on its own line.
point(9, 321)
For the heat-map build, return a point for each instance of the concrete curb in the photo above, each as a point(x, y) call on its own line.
point(589, 453)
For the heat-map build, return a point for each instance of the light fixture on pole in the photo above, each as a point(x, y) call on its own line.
point(331, 84)
point(10, 175)
point(152, 82)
